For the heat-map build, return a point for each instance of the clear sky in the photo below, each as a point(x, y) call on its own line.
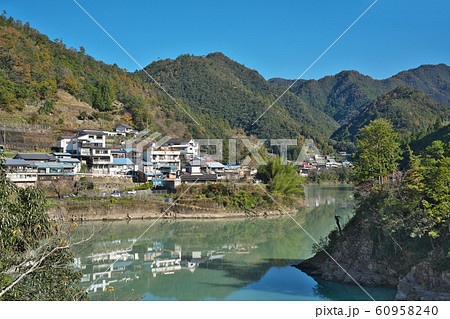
point(277, 38)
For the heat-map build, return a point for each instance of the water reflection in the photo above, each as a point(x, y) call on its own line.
point(234, 259)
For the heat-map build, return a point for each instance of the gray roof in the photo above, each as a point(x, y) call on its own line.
point(200, 178)
point(18, 162)
point(126, 126)
point(178, 141)
point(36, 157)
point(95, 132)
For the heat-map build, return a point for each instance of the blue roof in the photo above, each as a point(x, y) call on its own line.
point(166, 166)
point(122, 161)
point(53, 165)
point(127, 149)
point(153, 174)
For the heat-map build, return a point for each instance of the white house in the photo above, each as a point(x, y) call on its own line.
point(188, 147)
point(125, 128)
point(122, 166)
point(64, 143)
point(21, 172)
point(85, 140)
point(99, 160)
point(74, 161)
point(163, 155)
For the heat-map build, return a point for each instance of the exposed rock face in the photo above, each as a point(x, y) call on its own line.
point(425, 283)
point(354, 253)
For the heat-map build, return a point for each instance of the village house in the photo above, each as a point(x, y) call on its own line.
point(60, 155)
point(75, 162)
point(21, 172)
point(163, 155)
point(54, 170)
point(81, 145)
point(125, 128)
point(188, 147)
point(36, 157)
point(64, 142)
point(122, 166)
point(99, 160)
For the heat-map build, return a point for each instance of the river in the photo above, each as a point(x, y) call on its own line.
point(226, 259)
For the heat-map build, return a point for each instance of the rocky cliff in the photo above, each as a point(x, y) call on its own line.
point(357, 253)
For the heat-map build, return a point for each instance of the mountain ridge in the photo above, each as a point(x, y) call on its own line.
point(346, 93)
point(44, 82)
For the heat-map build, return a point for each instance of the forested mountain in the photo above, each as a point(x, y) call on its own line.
point(44, 82)
point(340, 96)
point(421, 143)
point(409, 110)
point(36, 74)
point(343, 95)
point(216, 88)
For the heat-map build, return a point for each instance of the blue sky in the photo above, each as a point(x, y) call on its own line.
point(277, 38)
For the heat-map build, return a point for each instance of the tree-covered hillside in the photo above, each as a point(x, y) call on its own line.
point(409, 110)
point(33, 69)
point(215, 87)
point(44, 82)
point(442, 134)
point(341, 96)
point(345, 94)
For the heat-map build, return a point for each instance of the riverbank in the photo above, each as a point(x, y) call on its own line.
point(359, 253)
point(152, 211)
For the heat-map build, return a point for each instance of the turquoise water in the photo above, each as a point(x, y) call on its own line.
point(230, 259)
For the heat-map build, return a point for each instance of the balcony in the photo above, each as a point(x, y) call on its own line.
point(22, 178)
point(102, 160)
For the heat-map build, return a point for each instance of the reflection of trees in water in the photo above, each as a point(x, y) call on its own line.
point(329, 195)
point(251, 248)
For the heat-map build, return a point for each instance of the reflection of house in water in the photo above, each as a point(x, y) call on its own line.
point(108, 266)
point(160, 260)
point(194, 259)
point(122, 267)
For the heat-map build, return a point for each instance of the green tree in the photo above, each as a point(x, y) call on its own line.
point(104, 96)
point(377, 151)
point(429, 184)
point(282, 179)
point(409, 160)
point(35, 254)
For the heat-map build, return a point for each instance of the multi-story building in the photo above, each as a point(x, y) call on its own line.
point(163, 156)
point(188, 147)
point(99, 160)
